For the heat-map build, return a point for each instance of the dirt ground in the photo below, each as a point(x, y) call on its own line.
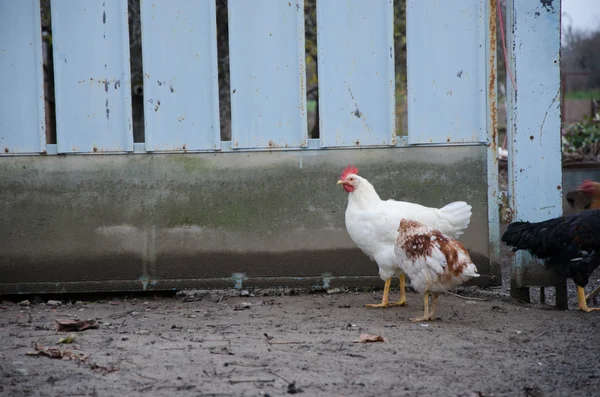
point(220, 343)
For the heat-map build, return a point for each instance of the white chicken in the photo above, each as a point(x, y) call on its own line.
point(372, 224)
point(434, 262)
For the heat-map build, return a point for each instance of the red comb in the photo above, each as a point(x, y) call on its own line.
point(349, 170)
point(589, 186)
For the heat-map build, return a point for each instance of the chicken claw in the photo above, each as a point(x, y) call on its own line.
point(420, 319)
point(427, 316)
point(582, 301)
point(385, 303)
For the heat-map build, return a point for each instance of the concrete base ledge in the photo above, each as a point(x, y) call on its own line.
point(88, 223)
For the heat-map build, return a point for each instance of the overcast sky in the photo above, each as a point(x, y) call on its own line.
point(581, 14)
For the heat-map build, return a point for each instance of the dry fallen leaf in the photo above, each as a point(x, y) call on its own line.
point(368, 338)
point(55, 352)
point(67, 325)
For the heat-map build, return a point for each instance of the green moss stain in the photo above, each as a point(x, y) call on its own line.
point(190, 163)
point(189, 189)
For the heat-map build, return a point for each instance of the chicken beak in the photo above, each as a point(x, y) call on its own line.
point(340, 182)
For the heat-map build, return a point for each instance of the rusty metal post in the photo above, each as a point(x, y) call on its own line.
point(534, 124)
point(492, 133)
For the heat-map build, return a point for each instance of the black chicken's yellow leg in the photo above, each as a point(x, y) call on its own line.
point(426, 314)
point(582, 302)
point(593, 294)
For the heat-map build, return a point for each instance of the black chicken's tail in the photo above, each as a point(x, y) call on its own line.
point(520, 235)
point(529, 236)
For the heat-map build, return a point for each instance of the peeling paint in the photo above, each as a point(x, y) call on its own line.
point(238, 279)
point(327, 277)
point(146, 281)
point(548, 6)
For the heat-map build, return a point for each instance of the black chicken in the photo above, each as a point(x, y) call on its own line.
point(569, 244)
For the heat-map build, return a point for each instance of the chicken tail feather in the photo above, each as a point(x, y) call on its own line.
point(458, 215)
point(527, 236)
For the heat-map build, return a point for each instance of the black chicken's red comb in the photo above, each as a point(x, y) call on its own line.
point(349, 170)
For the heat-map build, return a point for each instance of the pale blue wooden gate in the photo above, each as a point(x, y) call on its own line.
point(268, 77)
point(451, 80)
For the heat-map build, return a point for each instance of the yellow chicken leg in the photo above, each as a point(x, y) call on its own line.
point(385, 303)
point(593, 294)
point(402, 300)
point(582, 302)
point(386, 291)
point(434, 304)
point(426, 316)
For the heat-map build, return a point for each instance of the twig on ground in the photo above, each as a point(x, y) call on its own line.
point(466, 297)
point(234, 381)
point(455, 313)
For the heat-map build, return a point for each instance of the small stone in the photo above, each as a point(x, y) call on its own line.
point(125, 338)
point(53, 303)
point(21, 371)
point(24, 303)
point(244, 293)
point(143, 332)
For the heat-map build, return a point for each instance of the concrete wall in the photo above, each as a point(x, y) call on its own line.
point(170, 221)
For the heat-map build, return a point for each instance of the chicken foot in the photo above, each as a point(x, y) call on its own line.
point(427, 315)
point(385, 303)
point(592, 295)
point(402, 300)
point(582, 301)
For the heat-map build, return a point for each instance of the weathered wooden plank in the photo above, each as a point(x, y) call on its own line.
point(92, 76)
point(268, 91)
point(181, 92)
point(22, 125)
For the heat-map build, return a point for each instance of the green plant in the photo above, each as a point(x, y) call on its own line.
point(581, 136)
